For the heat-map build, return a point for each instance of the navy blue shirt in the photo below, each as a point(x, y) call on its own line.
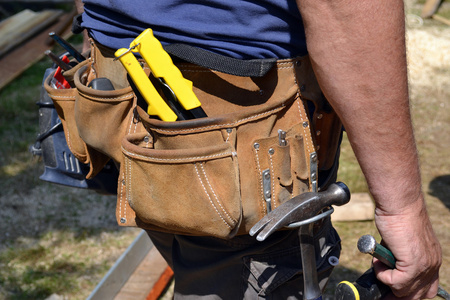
point(240, 29)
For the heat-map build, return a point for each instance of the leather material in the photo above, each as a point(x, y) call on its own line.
point(203, 176)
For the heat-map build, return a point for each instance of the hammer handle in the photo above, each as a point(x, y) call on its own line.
point(368, 287)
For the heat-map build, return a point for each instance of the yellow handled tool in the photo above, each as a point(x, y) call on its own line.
point(162, 68)
point(156, 105)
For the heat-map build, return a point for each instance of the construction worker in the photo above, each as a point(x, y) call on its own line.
point(357, 50)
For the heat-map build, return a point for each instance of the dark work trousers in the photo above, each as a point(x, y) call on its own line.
point(244, 268)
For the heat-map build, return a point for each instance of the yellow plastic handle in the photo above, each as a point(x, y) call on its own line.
point(156, 105)
point(162, 66)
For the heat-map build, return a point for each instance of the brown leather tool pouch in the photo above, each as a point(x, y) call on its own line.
point(219, 175)
point(213, 176)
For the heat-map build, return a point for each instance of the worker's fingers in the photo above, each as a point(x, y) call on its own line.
point(404, 286)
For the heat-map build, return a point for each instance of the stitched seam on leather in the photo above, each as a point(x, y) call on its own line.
point(69, 144)
point(128, 186)
point(221, 125)
point(272, 172)
point(225, 154)
point(261, 190)
point(210, 200)
point(305, 133)
point(124, 97)
point(215, 195)
point(228, 137)
point(131, 123)
point(121, 190)
point(63, 97)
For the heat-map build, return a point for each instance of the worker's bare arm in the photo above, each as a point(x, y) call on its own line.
point(358, 53)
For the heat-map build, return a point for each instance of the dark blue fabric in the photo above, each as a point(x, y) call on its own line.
point(239, 29)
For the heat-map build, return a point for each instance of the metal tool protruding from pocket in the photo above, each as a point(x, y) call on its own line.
point(300, 208)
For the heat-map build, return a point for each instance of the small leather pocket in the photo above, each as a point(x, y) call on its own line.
point(64, 101)
point(282, 167)
point(191, 191)
point(103, 118)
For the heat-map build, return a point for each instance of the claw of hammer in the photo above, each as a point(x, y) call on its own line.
point(300, 208)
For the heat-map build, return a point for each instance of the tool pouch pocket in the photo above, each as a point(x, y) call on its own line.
point(102, 117)
point(64, 101)
point(183, 190)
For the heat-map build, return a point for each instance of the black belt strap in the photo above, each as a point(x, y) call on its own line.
point(207, 59)
point(221, 63)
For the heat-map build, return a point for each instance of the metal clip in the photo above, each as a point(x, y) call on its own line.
point(313, 163)
point(128, 50)
point(282, 137)
point(267, 189)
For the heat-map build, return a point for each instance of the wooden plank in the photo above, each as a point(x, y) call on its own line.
point(20, 27)
point(441, 19)
point(360, 208)
point(430, 8)
point(144, 278)
point(15, 62)
point(161, 285)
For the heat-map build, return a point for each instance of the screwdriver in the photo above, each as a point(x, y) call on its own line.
point(68, 47)
point(58, 61)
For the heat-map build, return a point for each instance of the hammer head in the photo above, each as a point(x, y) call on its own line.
point(300, 208)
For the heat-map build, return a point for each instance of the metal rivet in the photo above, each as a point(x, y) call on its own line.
point(302, 88)
point(319, 116)
point(256, 145)
point(314, 157)
point(229, 130)
point(313, 176)
point(267, 175)
point(318, 147)
point(333, 260)
point(318, 132)
point(271, 151)
point(146, 139)
point(261, 92)
point(123, 220)
point(123, 182)
point(305, 124)
point(267, 193)
point(298, 63)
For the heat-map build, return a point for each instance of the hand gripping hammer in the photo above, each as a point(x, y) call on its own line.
point(303, 211)
point(367, 287)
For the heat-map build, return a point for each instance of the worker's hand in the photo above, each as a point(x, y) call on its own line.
point(409, 235)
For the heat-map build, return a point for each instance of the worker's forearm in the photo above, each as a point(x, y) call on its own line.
point(358, 53)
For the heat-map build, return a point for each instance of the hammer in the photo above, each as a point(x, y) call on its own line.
point(299, 210)
point(367, 286)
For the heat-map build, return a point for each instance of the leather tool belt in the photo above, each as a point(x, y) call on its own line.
point(264, 141)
